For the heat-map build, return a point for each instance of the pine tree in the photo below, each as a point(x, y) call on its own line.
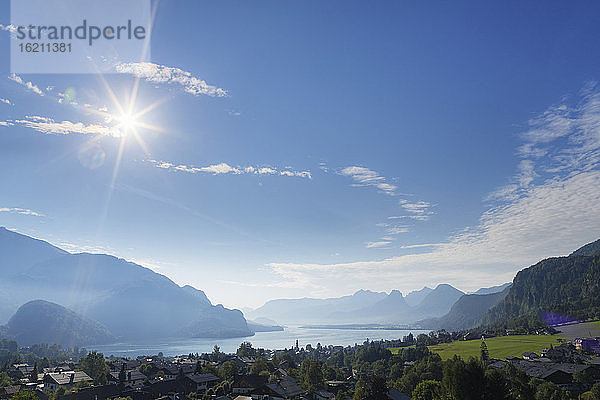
point(485, 355)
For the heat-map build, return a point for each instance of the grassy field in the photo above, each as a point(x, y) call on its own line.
point(498, 347)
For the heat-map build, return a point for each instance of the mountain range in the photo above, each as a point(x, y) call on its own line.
point(363, 307)
point(130, 301)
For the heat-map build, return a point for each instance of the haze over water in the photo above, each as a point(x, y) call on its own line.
point(267, 340)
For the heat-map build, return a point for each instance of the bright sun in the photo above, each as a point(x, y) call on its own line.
point(127, 122)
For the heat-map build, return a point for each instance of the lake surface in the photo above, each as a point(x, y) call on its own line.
point(266, 340)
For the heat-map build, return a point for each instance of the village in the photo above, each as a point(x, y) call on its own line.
point(302, 373)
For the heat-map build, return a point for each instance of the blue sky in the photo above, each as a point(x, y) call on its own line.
point(315, 148)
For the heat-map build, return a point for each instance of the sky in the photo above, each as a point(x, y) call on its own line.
point(315, 148)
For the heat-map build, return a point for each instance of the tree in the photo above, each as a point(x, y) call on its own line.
point(246, 350)
point(549, 391)
point(485, 356)
point(122, 377)
point(311, 372)
point(229, 370)
point(5, 379)
point(596, 391)
point(372, 388)
point(33, 376)
point(259, 366)
point(463, 380)
point(95, 366)
point(24, 395)
point(427, 390)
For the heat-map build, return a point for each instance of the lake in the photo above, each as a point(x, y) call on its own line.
point(266, 340)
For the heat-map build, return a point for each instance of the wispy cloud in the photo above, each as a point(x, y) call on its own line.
point(224, 168)
point(20, 211)
point(5, 101)
point(549, 208)
point(50, 127)
point(366, 177)
point(9, 28)
point(156, 73)
point(419, 210)
point(29, 85)
point(382, 243)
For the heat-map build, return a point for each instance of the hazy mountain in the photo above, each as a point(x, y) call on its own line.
point(439, 301)
point(567, 287)
point(196, 292)
point(255, 326)
point(363, 307)
point(40, 321)
point(493, 289)
point(309, 311)
point(132, 301)
point(392, 308)
point(467, 312)
point(415, 297)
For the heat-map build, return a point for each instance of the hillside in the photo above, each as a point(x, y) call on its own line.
point(467, 312)
point(40, 321)
point(553, 289)
point(132, 301)
point(439, 301)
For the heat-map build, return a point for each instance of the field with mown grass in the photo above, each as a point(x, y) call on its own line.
point(498, 347)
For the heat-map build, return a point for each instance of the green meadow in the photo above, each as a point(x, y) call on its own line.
point(498, 347)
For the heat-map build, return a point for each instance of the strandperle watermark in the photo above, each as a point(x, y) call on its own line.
point(78, 36)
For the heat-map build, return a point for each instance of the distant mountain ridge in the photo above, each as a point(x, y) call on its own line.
point(364, 307)
point(493, 289)
point(132, 301)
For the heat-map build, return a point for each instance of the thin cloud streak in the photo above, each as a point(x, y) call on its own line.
point(224, 168)
point(163, 74)
point(21, 211)
point(29, 85)
point(49, 126)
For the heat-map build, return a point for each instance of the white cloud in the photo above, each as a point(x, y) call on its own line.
point(367, 177)
point(156, 73)
point(9, 28)
point(50, 127)
point(382, 243)
point(28, 85)
point(20, 211)
point(5, 101)
point(224, 168)
point(550, 209)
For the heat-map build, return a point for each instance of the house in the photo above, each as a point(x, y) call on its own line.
point(286, 388)
point(94, 393)
point(591, 345)
point(324, 395)
point(133, 377)
point(20, 371)
point(247, 384)
point(66, 380)
point(199, 383)
point(528, 355)
point(395, 394)
point(8, 391)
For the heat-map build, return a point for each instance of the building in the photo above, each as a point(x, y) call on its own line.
point(591, 345)
point(133, 377)
point(66, 380)
point(199, 383)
